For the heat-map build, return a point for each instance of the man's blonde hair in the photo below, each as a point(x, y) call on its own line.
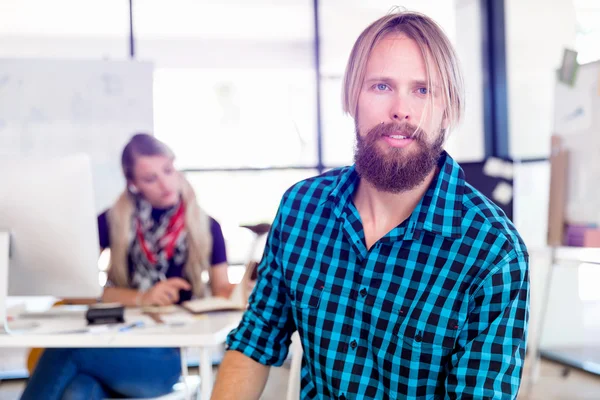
point(437, 51)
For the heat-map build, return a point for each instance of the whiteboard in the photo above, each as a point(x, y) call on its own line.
point(577, 122)
point(51, 107)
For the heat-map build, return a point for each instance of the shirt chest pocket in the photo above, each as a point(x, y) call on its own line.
point(428, 332)
point(306, 296)
point(418, 340)
point(308, 308)
point(418, 324)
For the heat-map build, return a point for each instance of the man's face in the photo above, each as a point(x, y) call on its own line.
point(398, 130)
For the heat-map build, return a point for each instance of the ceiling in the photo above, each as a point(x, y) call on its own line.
point(281, 20)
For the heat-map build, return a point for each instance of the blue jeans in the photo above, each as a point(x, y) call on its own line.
point(96, 374)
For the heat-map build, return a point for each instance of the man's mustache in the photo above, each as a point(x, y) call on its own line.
point(405, 129)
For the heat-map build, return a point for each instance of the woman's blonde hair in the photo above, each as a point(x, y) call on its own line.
point(197, 222)
point(435, 47)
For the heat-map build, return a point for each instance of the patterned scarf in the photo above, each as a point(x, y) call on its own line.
point(156, 244)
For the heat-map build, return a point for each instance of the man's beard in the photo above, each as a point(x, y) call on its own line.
point(397, 169)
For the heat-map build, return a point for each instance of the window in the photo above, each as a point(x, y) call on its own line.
point(64, 29)
point(234, 88)
point(232, 118)
point(588, 30)
point(236, 198)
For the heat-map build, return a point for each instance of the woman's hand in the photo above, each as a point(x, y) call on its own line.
point(165, 293)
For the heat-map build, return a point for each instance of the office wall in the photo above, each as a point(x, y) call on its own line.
point(573, 310)
point(537, 31)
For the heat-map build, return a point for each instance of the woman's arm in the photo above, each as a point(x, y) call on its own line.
point(164, 293)
point(127, 297)
point(220, 285)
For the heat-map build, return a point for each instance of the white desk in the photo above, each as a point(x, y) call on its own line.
point(583, 357)
point(204, 332)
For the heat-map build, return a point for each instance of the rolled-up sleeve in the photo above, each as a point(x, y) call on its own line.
point(266, 327)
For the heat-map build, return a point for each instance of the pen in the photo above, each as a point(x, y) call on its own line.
point(131, 326)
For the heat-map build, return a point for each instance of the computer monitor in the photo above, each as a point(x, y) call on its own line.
point(47, 207)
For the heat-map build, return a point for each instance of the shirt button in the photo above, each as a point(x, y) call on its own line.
point(418, 338)
point(363, 292)
point(353, 344)
point(342, 397)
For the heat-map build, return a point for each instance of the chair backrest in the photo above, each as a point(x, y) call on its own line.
point(241, 292)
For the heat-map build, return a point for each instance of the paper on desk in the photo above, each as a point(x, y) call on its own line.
point(70, 328)
point(178, 319)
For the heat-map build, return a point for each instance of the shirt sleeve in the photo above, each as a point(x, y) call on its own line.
point(219, 251)
point(103, 230)
point(266, 327)
point(489, 360)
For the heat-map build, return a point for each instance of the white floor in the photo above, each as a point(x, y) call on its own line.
point(552, 385)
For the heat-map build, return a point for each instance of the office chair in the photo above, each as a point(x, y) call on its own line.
point(293, 390)
point(296, 351)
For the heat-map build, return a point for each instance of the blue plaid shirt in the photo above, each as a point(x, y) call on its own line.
point(436, 309)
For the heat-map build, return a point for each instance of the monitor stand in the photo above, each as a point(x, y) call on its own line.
point(4, 257)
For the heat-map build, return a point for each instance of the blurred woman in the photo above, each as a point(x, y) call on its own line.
point(164, 249)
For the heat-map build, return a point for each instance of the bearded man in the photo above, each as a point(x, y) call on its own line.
point(402, 280)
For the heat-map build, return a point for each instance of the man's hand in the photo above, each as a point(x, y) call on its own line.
point(165, 293)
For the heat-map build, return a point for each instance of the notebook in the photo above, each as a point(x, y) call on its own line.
point(212, 304)
point(236, 302)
